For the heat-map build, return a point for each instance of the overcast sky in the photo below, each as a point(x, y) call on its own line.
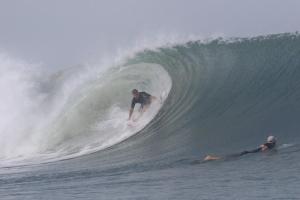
point(61, 33)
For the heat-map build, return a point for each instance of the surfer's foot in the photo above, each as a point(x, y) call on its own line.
point(208, 157)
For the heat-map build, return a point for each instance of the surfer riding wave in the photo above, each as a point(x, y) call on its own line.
point(142, 98)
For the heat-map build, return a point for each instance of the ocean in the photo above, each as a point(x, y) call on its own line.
point(65, 135)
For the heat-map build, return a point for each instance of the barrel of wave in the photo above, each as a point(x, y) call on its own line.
point(96, 118)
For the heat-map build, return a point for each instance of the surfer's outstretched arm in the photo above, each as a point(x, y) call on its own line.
point(251, 151)
point(153, 98)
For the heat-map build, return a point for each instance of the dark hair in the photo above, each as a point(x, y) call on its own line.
point(134, 91)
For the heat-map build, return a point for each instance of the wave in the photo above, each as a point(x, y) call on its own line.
point(74, 111)
point(214, 95)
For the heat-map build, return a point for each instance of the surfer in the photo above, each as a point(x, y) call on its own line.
point(143, 98)
point(270, 144)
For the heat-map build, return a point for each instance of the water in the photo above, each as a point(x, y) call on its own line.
point(66, 136)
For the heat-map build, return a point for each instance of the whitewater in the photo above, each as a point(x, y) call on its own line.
point(65, 135)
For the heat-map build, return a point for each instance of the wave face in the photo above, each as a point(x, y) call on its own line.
point(218, 96)
point(228, 95)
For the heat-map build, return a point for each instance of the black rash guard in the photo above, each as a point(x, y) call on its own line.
point(144, 99)
point(268, 144)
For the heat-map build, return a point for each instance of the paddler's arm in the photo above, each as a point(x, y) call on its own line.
point(263, 147)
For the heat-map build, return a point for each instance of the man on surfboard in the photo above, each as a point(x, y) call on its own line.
point(142, 98)
point(270, 144)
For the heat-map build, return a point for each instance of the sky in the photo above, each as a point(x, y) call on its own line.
point(63, 33)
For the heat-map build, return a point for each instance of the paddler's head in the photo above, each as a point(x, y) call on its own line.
point(271, 139)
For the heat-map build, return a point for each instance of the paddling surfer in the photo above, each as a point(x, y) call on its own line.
point(270, 144)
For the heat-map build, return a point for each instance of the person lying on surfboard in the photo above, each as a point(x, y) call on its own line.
point(142, 98)
point(270, 144)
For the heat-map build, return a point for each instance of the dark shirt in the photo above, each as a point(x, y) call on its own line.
point(269, 145)
point(143, 98)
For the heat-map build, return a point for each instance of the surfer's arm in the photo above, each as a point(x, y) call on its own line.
point(251, 151)
point(131, 108)
point(263, 147)
point(153, 98)
point(130, 113)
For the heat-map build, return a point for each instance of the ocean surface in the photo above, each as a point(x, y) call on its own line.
point(65, 135)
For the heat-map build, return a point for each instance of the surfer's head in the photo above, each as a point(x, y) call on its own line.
point(271, 139)
point(135, 93)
